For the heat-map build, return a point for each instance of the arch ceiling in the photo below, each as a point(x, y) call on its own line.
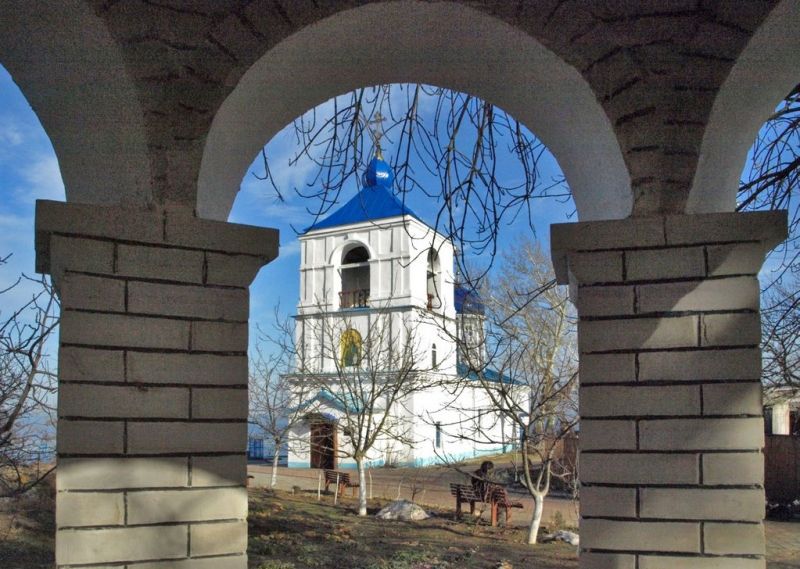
point(620, 91)
point(71, 71)
point(402, 42)
point(765, 72)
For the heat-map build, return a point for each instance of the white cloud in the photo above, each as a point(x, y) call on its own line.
point(10, 133)
point(10, 224)
point(41, 180)
point(290, 249)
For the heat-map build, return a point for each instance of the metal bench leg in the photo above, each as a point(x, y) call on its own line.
point(458, 508)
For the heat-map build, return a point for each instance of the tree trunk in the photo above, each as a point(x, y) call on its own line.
point(274, 481)
point(536, 518)
point(362, 488)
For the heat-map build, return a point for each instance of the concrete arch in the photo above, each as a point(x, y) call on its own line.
point(71, 71)
point(767, 69)
point(336, 255)
point(406, 42)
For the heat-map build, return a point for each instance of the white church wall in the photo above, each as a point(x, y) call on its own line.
point(420, 240)
point(386, 450)
point(397, 310)
point(398, 264)
point(429, 331)
point(318, 337)
point(457, 414)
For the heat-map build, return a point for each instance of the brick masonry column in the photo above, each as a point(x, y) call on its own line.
point(152, 398)
point(671, 463)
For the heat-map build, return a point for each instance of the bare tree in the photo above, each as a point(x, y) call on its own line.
point(780, 320)
point(26, 388)
point(273, 397)
point(527, 366)
point(478, 166)
point(363, 370)
point(772, 177)
point(772, 181)
point(481, 168)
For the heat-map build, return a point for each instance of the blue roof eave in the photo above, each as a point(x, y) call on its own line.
point(372, 203)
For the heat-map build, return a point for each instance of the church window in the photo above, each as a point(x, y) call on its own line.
point(355, 278)
point(434, 362)
point(350, 345)
point(355, 255)
point(433, 286)
point(438, 435)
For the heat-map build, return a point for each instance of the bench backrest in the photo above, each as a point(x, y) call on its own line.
point(498, 494)
point(464, 491)
point(332, 475)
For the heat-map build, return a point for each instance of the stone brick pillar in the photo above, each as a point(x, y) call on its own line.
point(671, 463)
point(152, 397)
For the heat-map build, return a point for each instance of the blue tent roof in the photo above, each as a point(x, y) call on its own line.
point(374, 201)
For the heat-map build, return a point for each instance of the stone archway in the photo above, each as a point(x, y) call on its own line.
point(71, 71)
point(767, 69)
point(155, 298)
point(403, 42)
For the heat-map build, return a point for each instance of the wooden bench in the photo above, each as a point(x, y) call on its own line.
point(499, 499)
point(464, 494)
point(342, 479)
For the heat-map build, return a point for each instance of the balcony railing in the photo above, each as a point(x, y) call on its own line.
point(354, 298)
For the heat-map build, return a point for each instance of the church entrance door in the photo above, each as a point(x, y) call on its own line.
point(323, 444)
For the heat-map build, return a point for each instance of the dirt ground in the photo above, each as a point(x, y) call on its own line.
point(295, 531)
point(292, 530)
point(429, 486)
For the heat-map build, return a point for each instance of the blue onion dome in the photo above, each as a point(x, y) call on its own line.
point(468, 301)
point(378, 173)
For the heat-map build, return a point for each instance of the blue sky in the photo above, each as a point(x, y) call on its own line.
point(257, 204)
point(29, 171)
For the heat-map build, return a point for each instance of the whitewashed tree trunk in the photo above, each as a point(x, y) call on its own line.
point(362, 488)
point(274, 480)
point(536, 518)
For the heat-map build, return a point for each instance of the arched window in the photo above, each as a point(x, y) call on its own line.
point(434, 361)
point(355, 255)
point(434, 292)
point(355, 278)
point(350, 348)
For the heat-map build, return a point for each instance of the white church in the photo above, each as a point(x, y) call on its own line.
point(378, 298)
